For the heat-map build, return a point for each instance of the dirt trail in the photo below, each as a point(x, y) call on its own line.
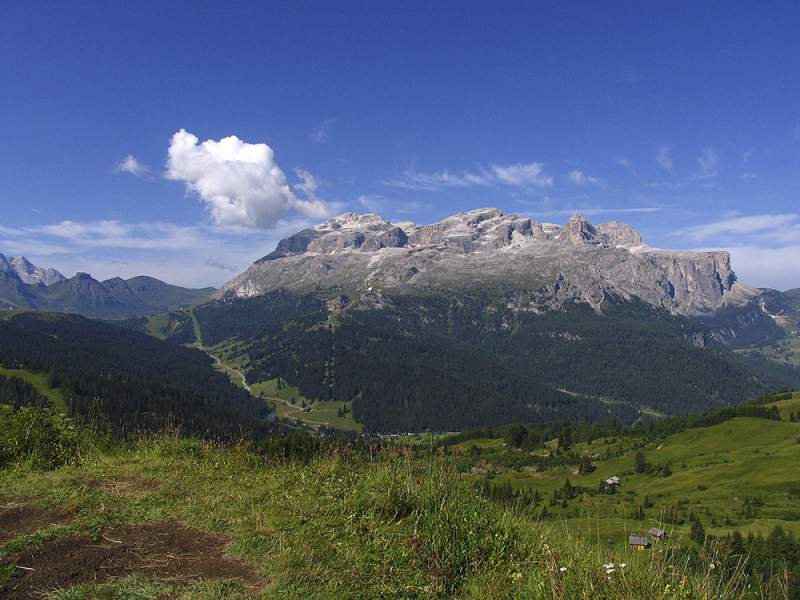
point(292, 415)
point(231, 369)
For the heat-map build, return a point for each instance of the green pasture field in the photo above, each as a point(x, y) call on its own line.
point(742, 474)
point(287, 404)
point(786, 407)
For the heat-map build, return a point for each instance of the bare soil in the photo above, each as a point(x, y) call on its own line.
point(18, 516)
point(167, 550)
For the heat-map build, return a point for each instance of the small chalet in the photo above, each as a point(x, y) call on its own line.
point(658, 534)
point(639, 542)
point(612, 482)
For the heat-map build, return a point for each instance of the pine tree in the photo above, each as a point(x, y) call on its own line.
point(698, 533)
point(640, 464)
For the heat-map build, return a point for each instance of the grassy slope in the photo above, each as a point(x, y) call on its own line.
point(287, 405)
point(786, 407)
point(39, 381)
point(338, 527)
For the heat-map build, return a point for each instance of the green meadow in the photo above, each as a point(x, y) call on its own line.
point(743, 474)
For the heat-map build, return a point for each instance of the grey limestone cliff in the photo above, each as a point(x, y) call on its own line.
point(549, 265)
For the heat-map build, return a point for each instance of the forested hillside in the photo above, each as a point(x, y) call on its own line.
point(456, 362)
point(127, 381)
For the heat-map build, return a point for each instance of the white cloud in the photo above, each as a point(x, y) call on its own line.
point(664, 158)
point(240, 182)
point(314, 207)
point(767, 267)
point(623, 160)
point(435, 181)
point(579, 178)
point(130, 165)
point(519, 174)
point(709, 164)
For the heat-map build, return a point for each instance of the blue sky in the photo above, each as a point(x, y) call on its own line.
point(183, 140)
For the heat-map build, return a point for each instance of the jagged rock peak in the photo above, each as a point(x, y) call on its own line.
point(28, 272)
point(620, 235)
point(465, 232)
point(578, 230)
point(352, 220)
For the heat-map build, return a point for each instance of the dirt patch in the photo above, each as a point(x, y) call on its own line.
point(166, 550)
point(125, 486)
point(19, 517)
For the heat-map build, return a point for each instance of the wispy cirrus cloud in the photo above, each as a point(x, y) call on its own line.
point(592, 211)
point(664, 158)
point(519, 174)
point(373, 202)
point(779, 228)
point(386, 208)
point(523, 175)
point(709, 164)
point(580, 178)
point(322, 134)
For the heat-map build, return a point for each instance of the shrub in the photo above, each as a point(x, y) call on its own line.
point(36, 438)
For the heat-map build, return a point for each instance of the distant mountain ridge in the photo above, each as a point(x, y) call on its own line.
point(551, 265)
point(24, 285)
point(28, 272)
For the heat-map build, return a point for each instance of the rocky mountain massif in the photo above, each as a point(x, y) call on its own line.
point(550, 265)
point(24, 285)
point(484, 319)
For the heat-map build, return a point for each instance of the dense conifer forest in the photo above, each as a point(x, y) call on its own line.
point(128, 382)
point(465, 361)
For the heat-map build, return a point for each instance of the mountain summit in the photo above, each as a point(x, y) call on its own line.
point(550, 265)
point(27, 272)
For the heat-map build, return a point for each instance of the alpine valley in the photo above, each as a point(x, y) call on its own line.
point(574, 360)
point(487, 319)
